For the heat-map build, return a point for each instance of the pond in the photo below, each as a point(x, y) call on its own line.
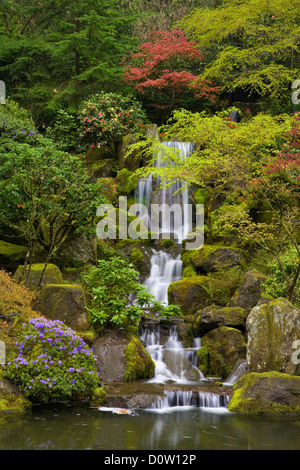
point(186, 428)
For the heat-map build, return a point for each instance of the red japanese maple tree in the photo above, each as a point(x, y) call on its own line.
point(166, 73)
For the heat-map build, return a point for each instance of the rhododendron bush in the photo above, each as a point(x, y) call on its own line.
point(107, 117)
point(165, 72)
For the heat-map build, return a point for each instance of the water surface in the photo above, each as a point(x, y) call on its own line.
point(181, 428)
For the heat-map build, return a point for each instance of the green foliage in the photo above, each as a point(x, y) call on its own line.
point(53, 363)
point(53, 54)
point(107, 117)
point(117, 297)
point(255, 42)
point(45, 192)
point(64, 131)
point(277, 284)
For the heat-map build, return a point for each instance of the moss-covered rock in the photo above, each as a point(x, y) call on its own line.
point(188, 272)
point(212, 317)
point(266, 393)
point(190, 293)
point(139, 364)
point(31, 275)
point(11, 255)
point(272, 329)
point(99, 397)
point(221, 349)
point(126, 181)
point(101, 169)
point(65, 302)
point(121, 357)
point(250, 290)
point(13, 404)
point(211, 258)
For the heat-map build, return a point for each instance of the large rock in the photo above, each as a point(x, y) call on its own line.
point(78, 252)
point(65, 302)
point(212, 258)
point(190, 294)
point(11, 255)
point(266, 393)
point(213, 316)
point(272, 329)
point(11, 403)
point(120, 358)
point(250, 290)
point(31, 275)
point(220, 351)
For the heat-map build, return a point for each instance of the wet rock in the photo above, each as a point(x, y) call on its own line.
point(213, 316)
point(122, 358)
point(272, 329)
point(250, 290)
point(221, 349)
point(212, 258)
point(190, 293)
point(266, 393)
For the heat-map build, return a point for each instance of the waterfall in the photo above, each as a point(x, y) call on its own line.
point(165, 269)
point(194, 398)
point(172, 361)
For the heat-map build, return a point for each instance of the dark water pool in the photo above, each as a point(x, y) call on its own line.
point(84, 428)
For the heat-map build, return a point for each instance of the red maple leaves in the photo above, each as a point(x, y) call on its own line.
point(166, 70)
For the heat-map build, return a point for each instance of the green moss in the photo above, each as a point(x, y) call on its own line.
point(98, 397)
point(167, 243)
point(203, 360)
point(127, 181)
point(137, 257)
point(188, 272)
point(11, 251)
point(248, 398)
point(139, 364)
point(13, 404)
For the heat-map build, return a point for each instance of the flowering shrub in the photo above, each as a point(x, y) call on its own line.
point(107, 117)
point(53, 363)
point(16, 124)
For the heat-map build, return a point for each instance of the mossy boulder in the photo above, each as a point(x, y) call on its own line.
point(65, 302)
point(78, 252)
point(126, 181)
point(101, 169)
point(190, 293)
point(249, 292)
point(139, 364)
point(121, 357)
point(221, 349)
point(211, 258)
point(11, 255)
point(266, 393)
point(30, 275)
point(213, 316)
point(272, 329)
point(11, 403)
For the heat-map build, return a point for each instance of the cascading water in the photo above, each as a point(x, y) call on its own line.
point(194, 398)
point(165, 268)
point(172, 361)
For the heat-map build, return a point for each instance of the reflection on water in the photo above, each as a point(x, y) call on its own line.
point(180, 428)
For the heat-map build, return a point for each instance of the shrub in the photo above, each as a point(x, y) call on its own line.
point(107, 117)
point(53, 363)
